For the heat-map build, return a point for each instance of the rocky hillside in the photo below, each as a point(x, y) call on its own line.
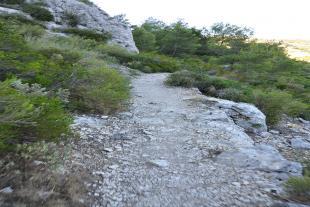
point(212, 120)
point(84, 15)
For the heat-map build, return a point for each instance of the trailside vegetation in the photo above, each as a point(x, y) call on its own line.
point(224, 61)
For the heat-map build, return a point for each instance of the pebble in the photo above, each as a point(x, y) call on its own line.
point(113, 167)
point(274, 132)
point(108, 149)
point(237, 184)
point(160, 163)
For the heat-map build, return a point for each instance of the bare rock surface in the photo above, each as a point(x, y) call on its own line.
point(166, 151)
point(89, 16)
point(244, 115)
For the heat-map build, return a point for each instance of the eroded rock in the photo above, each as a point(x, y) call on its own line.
point(299, 143)
point(260, 157)
point(244, 115)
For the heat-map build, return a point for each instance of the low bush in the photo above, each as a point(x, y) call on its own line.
point(271, 103)
point(182, 78)
point(72, 19)
point(155, 63)
point(99, 91)
point(88, 34)
point(299, 187)
point(232, 94)
point(30, 31)
point(9, 40)
point(20, 19)
point(116, 51)
point(27, 114)
point(38, 12)
point(13, 1)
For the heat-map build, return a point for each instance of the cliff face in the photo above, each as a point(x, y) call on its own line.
point(92, 17)
point(89, 16)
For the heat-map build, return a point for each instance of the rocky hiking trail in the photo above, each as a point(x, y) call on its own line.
point(176, 147)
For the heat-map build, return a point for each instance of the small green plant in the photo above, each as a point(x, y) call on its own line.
point(88, 34)
point(38, 12)
point(299, 187)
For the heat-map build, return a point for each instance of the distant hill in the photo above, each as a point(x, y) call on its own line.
point(299, 49)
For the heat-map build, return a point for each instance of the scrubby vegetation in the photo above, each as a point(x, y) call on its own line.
point(224, 61)
point(88, 34)
point(72, 19)
point(44, 78)
point(299, 187)
point(38, 12)
point(12, 1)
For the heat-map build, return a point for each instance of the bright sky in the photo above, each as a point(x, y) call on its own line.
point(271, 19)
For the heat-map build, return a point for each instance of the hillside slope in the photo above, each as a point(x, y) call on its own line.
point(83, 15)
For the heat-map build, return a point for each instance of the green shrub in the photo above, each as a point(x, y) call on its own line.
point(89, 34)
point(100, 91)
point(30, 31)
point(123, 55)
point(72, 19)
point(272, 104)
point(13, 1)
point(182, 78)
point(38, 12)
point(232, 94)
point(27, 114)
point(20, 20)
point(299, 188)
point(88, 2)
point(157, 63)
point(295, 108)
point(10, 40)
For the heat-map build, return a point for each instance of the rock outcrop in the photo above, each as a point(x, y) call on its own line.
point(260, 157)
point(244, 115)
point(89, 17)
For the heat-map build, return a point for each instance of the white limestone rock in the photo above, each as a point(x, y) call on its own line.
point(244, 115)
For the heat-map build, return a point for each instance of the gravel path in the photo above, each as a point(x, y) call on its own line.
point(162, 153)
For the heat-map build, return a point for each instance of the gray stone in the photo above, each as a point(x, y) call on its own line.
point(6, 190)
point(92, 17)
point(113, 167)
point(299, 143)
point(160, 163)
point(37, 162)
point(244, 115)
point(283, 204)
point(274, 132)
point(260, 157)
point(107, 149)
